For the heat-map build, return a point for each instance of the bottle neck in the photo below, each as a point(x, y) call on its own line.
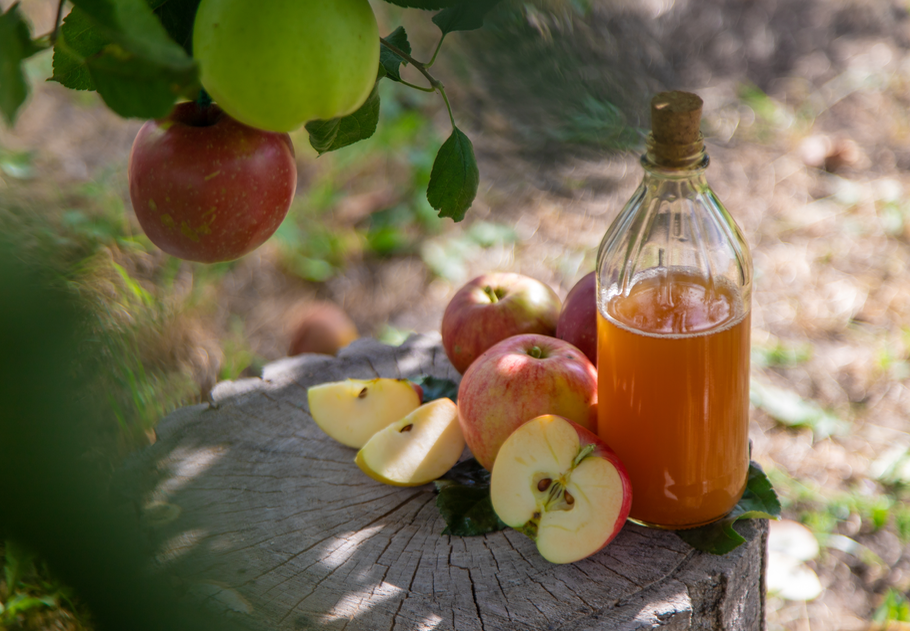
point(674, 159)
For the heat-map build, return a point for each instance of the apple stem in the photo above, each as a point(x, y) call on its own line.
point(536, 352)
point(204, 100)
point(491, 294)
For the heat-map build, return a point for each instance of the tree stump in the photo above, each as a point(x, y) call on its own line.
point(255, 509)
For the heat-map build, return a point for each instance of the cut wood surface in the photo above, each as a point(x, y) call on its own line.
point(252, 507)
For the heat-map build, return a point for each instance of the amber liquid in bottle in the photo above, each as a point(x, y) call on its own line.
point(674, 307)
point(673, 381)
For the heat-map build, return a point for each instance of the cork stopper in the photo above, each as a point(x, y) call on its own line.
point(676, 141)
point(675, 118)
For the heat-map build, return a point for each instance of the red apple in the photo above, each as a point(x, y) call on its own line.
point(562, 486)
point(517, 379)
point(322, 327)
point(208, 188)
point(577, 322)
point(493, 307)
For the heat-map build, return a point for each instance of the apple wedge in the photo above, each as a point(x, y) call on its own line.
point(562, 486)
point(419, 448)
point(351, 411)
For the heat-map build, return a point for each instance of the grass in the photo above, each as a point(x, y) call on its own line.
point(31, 598)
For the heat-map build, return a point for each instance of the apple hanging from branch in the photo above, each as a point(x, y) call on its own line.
point(207, 188)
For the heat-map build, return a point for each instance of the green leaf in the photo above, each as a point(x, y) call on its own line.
point(340, 132)
point(466, 16)
point(121, 49)
point(454, 178)
point(133, 86)
point(76, 42)
point(177, 17)
point(759, 501)
point(437, 388)
point(132, 25)
point(389, 61)
point(425, 4)
point(464, 501)
point(16, 45)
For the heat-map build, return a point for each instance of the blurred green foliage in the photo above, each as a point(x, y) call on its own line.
point(56, 501)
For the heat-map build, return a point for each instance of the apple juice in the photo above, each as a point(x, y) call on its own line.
point(674, 292)
point(673, 384)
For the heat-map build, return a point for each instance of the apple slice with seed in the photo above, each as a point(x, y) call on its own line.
point(562, 486)
point(351, 411)
point(419, 448)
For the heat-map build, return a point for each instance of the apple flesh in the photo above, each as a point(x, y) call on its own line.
point(562, 486)
point(577, 322)
point(207, 188)
point(351, 411)
point(491, 308)
point(517, 379)
point(419, 448)
point(276, 65)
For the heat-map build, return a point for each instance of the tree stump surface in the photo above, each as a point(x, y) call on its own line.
point(252, 507)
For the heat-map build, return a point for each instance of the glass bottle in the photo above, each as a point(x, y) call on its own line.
point(674, 292)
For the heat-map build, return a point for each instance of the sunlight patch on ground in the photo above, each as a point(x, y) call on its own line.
point(179, 545)
point(185, 465)
point(345, 546)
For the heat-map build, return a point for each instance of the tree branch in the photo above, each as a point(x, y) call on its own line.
point(53, 35)
point(420, 67)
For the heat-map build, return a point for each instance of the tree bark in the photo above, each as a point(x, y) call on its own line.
point(253, 508)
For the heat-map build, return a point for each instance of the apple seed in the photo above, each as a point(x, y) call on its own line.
point(362, 394)
point(407, 428)
point(569, 499)
point(544, 484)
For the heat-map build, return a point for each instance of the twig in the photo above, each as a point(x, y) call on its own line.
point(420, 67)
point(53, 36)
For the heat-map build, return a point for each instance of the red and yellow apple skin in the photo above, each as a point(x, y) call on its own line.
point(577, 322)
point(322, 327)
point(518, 379)
point(207, 188)
point(561, 485)
point(491, 308)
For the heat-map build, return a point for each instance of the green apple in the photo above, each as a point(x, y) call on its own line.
point(351, 411)
point(562, 486)
point(277, 64)
point(419, 448)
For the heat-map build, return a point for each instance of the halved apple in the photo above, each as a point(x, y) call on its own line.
point(562, 486)
point(417, 449)
point(351, 411)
